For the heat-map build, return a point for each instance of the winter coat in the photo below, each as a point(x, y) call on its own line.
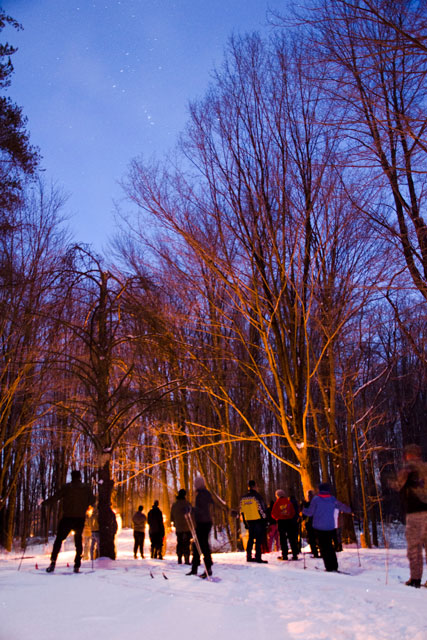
point(76, 498)
point(412, 483)
point(178, 511)
point(155, 521)
point(252, 506)
point(322, 509)
point(203, 506)
point(139, 519)
point(283, 509)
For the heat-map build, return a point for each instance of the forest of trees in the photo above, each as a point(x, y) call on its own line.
point(263, 315)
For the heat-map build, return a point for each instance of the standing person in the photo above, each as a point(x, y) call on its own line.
point(76, 498)
point(412, 484)
point(254, 513)
point(308, 522)
point(156, 530)
point(322, 509)
point(202, 514)
point(139, 520)
point(286, 515)
point(183, 534)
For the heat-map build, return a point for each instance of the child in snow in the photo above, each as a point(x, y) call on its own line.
point(322, 508)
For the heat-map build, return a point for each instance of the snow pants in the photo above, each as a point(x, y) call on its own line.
point(311, 538)
point(203, 530)
point(288, 530)
point(64, 527)
point(256, 530)
point(183, 539)
point(156, 540)
point(416, 538)
point(327, 551)
point(139, 537)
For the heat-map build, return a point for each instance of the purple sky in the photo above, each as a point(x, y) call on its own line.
point(103, 82)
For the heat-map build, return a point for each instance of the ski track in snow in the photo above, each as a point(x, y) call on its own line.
point(255, 602)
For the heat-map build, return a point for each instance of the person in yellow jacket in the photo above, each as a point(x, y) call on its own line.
point(254, 514)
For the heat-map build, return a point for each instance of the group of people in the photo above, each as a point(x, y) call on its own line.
point(191, 523)
point(320, 512)
point(194, 522)
point(156, 530)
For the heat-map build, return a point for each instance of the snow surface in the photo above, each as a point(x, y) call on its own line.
point(120, 600)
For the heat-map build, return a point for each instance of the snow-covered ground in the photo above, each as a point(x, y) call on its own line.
point(121, 601)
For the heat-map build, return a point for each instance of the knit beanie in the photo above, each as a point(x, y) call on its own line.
point(280, 493)
point(325, 487)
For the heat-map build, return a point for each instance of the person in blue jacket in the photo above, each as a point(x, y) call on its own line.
point(321, 509)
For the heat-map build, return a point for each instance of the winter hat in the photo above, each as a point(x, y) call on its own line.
point(199, 483)
point(280, 493)
point(181, 494)
point(325, 487)
point(412, 450)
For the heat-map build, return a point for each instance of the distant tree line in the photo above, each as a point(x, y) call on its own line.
point(264, 313)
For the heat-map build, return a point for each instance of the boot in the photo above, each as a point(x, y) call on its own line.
point(414, 582)
point(179, 559)
point(51, 568)
point(76, 569)
point(193, 572)
point(206, 574)
point(187, 560)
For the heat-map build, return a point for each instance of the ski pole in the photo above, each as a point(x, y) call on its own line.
point(196, 540)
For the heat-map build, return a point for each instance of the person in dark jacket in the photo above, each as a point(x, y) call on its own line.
point(179, 509)
point(322, 510)
point(254, 514)
point(76, 497)
point(412, 484)
point(202, 515)
point(156, 530)
point(139, 520)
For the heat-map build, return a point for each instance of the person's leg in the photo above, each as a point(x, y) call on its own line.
point(135, 543)
point(292, 529)
point(78, 526)
point(196, 559)
point(311, 537)
point(414, 533)
point(64, 528)
point(283, 539)
point(203, 531)
point(186, 539)
point(327, 550)
point(259, 536)
point(179, 546)
point(159, 545)
point(251, 536)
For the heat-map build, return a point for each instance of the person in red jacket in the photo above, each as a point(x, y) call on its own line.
point(286, 514)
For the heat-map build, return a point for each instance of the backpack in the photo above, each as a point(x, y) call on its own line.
point(283, 509)
point(287, 509)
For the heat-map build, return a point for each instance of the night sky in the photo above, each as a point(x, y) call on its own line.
point(103, 82)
